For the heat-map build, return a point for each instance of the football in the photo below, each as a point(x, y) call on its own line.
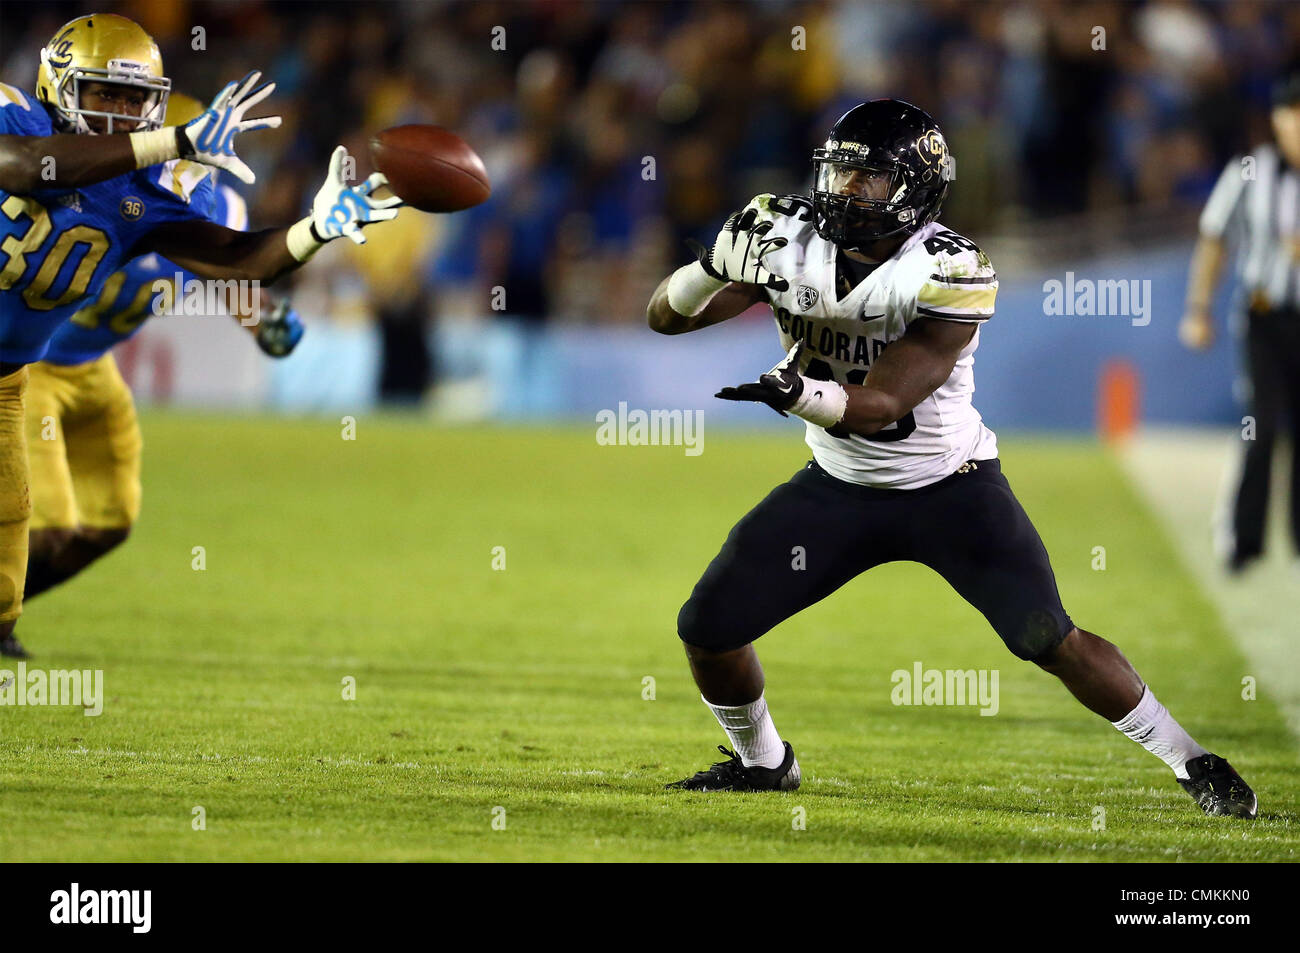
point(431, 168)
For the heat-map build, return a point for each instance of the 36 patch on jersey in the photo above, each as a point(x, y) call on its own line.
point(806, 297)
point(131, 208)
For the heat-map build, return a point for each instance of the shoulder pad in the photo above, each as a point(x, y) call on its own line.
point(962, 284)
point(13, 96)
point(182, 177)
point(21, 114)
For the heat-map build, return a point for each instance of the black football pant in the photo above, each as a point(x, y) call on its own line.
point(1273, 362)
point(814, 533)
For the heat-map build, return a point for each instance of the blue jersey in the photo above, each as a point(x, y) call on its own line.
point(59, 246)
point(126, 300)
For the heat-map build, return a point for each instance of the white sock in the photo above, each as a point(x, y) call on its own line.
point(1151, 726)
point(752, 734)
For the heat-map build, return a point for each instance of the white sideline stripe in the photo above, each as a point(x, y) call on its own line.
point(1183, 475)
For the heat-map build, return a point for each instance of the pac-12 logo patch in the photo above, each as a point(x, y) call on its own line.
point(806, 297)
point(132, 208)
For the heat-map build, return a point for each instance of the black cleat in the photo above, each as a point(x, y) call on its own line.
point(1217, 788)
point(732, 775)
point(12, 648)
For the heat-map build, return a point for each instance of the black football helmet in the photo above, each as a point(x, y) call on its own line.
point(883, 171)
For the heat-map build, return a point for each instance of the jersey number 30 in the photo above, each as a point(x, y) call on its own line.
point(16, 248)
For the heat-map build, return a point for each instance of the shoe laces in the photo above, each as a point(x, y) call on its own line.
point(733, 769)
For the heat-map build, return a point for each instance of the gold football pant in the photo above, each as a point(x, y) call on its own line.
point(15, 502)
point(84, 444)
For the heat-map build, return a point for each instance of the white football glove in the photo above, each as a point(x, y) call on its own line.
point(738, 251)
point(210, 139)
point(341, 209)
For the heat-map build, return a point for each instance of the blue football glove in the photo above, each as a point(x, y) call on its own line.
point(210, 138)
point(279, 334)
point(341, 209)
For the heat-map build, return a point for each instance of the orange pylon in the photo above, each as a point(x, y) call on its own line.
point(1118, 393)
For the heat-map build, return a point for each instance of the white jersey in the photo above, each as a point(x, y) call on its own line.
point(936, 273)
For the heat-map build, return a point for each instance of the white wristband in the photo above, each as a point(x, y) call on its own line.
point(302, 243)
point(158, 145)
point(822, 402)
point(691, 288)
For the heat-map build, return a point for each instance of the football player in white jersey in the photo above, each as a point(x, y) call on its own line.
point(880, 308)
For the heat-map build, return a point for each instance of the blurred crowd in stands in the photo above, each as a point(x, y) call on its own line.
point(614, 130)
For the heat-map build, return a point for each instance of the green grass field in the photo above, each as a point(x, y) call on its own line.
point(522, 689)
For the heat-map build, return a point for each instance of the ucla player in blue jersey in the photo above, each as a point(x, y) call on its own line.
point(83, 438)
point(91, 178)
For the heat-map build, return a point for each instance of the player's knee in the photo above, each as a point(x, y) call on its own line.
point(706, 626)
point(1038, 637)
point(44, 544)
point(103, 540)
point(1065, 652)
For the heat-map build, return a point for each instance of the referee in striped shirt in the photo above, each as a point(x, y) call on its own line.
point(1258, 199)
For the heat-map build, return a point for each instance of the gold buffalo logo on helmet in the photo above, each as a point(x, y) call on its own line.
point(932, 149)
